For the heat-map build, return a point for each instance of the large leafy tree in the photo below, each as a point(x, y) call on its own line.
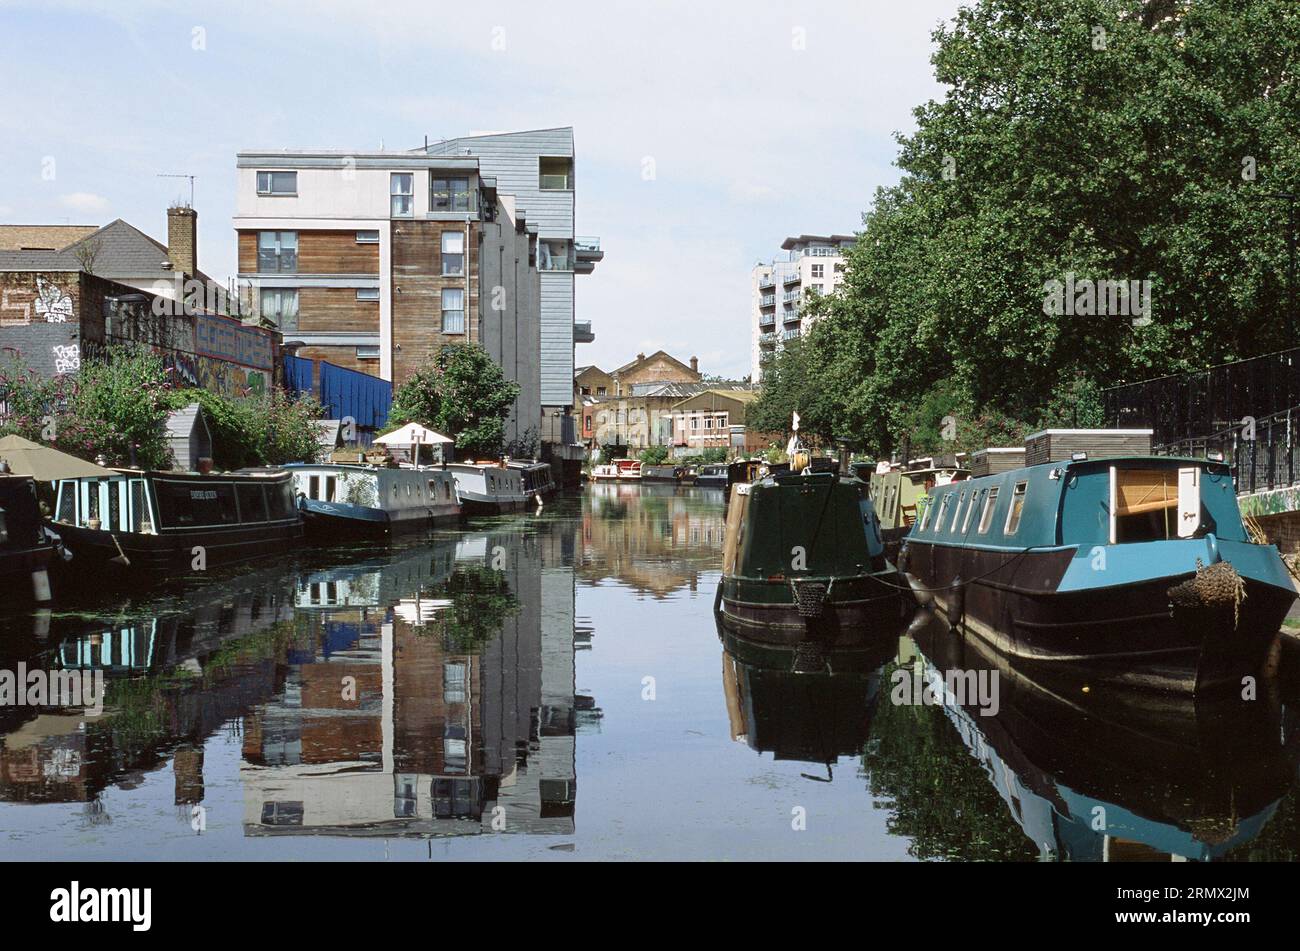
point(1126, 140)
point(462, 394)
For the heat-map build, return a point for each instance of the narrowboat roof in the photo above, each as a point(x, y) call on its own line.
point(176, 474)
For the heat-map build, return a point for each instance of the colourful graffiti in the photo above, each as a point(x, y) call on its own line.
point(229, 340)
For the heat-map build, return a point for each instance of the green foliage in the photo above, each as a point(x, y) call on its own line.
point(113, 408)
point(256, 431)
point(463, 394)
point(481, 603)
point(654, 455)
point(1052, 153)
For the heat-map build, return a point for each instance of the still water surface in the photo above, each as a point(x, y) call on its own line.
point(555, 686)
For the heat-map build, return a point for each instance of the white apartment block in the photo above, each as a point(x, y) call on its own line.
point(814, 264)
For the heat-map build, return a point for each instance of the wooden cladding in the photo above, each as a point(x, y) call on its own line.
point(335, 310)
point(319, 252)
point(418, 283)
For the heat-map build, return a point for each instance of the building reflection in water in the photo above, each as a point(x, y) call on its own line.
point(423, 691)
point(654, 538)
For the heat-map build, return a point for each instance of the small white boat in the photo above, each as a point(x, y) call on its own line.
point(620, 470)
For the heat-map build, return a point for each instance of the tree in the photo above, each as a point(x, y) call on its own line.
point(266, 430)
point(1077, 141)
point(463, 394)
point(116, 409)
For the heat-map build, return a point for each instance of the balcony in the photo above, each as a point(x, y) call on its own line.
point(767, 320)
point(582, 332)
point(586, 254)
point(789, 296)
point(767, 300)
point(790, 334)
point(791, 316)
point(766, 283)
point(767, 340)
point(792, 278)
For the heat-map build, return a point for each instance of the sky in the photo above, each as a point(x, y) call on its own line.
point(706, 132)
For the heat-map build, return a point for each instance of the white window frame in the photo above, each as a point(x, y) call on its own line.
point(269, 190)
point(368, 294)
point(406, 179)
point(986, 514)
point(1021, 487)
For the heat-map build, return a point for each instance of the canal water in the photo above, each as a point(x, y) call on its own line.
point(554, 686)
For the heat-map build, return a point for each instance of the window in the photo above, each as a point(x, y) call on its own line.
point(277, 251)
point(965, 524)
point(367, 293)
point(252, 503)
point(555, 173)
point(818, 271)
point(1017, 506)
point(986, 517)
point(1154, 504)
point(367, 237)
point(925, 517)
point(277, 183)
point(454, 678)
point(956, 512)
point(401, 188)
point(453, 310)
point(600, 391)
point(943, 511)
point(280, 307)
point(449, 194)
point(453, 252)
point(368, 352)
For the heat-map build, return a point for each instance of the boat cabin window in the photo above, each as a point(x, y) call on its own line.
point(943, 511)
point(280, 501)
point(956, 512)
point(252, 503)
point(970, 507)
point(313, 487)
point(183, 503)
point(1017, 506)
point(67, 505)
point(1154, 504)
point(329, 489)
point(990, 503)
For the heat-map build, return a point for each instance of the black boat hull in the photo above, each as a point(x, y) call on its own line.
point(1129, 635)
point(174, 552)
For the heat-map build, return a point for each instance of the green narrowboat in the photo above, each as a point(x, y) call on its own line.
point(900, 495)
point(803, 556)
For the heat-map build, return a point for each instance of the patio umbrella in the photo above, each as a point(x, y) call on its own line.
point(44, 464)
point(412, 434)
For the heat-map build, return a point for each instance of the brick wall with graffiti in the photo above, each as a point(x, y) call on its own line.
point(53, 320)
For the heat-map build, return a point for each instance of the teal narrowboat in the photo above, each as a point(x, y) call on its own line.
point(1138, 564)
point(803, 554)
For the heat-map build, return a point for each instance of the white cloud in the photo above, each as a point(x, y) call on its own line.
point(84, 202)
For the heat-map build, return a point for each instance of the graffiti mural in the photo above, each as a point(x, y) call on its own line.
point(52, 304)
point(67, 359)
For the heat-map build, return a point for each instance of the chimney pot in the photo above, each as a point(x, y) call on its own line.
point(640, 356)
point(695, 364)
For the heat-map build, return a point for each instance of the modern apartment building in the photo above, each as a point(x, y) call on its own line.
point(537, 167)
point(814, 264)
point(373, 261)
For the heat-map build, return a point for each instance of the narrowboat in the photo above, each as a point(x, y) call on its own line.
point(1136, 566)
point(662, 473)
point(538, 482)
point(803, 555)
point(620, 470)
point(712, 476)
point(26, 548)
point(171, 522)
point(347, 501)
point(490, 488)
point(900, 494)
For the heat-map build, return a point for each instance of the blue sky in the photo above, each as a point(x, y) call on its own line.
point(763, 119)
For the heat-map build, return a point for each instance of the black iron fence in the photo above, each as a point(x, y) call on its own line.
point(1207, 403)
point(1261, 452)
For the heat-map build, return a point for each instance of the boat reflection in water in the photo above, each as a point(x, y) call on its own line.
point(803, 702)
point(1095, 774)
point(419, 691)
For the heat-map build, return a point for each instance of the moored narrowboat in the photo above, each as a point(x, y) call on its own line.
point(175, 522)
point(712, 476)
point(803, 555)
point(664, 473)
point(26, 548)
point(490, 488)
point(900, 494)
point(537, 479)
point(345, 501)
point(1138, 566)
point(620, 470)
